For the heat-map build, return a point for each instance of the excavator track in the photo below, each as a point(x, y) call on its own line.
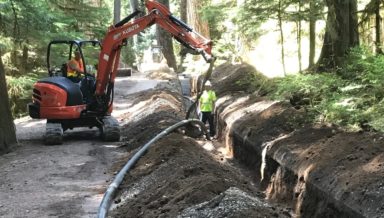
point(110, 129)
point(53, 134)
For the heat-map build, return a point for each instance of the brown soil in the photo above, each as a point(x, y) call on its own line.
point(314, 171)
point(318, 170)
point(177, 176)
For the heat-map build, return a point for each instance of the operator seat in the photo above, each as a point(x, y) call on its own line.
point(64, 70)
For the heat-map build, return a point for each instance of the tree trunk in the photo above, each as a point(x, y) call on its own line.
point(15, 36)
point(7, 127)
point(24, 61)
point(183, 50)
point(341, 33)
point(280, 20)
point(116, 11)
point(299, 40)
point(312, 34)
point(378, 27)
point(164, 39)
point(134, 5)
point(194, 18)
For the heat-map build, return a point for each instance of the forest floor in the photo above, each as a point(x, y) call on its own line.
point(180, 176)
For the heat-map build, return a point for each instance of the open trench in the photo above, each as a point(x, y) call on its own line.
point(288, 168)
point(317, 170)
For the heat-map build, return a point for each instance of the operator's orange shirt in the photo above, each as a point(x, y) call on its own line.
point(72, 72)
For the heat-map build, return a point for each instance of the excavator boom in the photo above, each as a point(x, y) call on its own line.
point(68, 105)
point(118, 34)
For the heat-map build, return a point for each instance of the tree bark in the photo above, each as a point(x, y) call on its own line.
point(24, 61)
point(183, 50)
point(378, 27)
point(194, 19)
point(280, 20)
point(164, 39)
point(116, 11)
point(341, 33)
point(134, 5)
point(7, 127)
point(312, 34)
point(299, 39)
point(15, 35)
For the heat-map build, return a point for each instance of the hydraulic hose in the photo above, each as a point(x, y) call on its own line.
point(111, 191)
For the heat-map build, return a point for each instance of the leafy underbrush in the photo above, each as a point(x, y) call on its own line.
point(351, 97)
point(20, 91)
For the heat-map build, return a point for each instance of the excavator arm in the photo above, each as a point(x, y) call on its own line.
point(118, 34)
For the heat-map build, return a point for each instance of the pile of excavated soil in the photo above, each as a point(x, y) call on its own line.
point(156, 110)
point(178, 175)
point(229, 78)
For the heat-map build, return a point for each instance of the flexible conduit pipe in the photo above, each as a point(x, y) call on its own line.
point(109, 194)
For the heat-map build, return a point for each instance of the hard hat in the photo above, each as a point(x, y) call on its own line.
point(208, 83)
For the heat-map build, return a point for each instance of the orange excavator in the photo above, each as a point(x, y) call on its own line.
point(67, 105)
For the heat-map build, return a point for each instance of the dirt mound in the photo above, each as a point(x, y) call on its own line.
point(156, 110)
point(229, 78)
point(178, 173)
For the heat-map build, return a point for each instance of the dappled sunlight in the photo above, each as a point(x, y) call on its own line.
point(235, 111)
point(209, 146)
point(266, 53)
point(142, 109)
point(346, 102)
point(228, 151)
point(234, 114)
point(351, 87)
point(137, 109)
point(111, 146)
point(33, 124)
point(374, 165)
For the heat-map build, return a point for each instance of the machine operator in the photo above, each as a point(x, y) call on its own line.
point(75, 68)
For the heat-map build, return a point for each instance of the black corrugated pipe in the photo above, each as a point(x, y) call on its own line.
point(111, 191)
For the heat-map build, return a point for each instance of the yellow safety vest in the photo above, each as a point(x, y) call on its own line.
point(70, 71)
point(206, 101)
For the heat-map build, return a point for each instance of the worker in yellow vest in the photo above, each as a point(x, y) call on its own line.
point(207, 106)
point(75, 68)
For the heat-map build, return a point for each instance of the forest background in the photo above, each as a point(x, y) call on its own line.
point(321, 55)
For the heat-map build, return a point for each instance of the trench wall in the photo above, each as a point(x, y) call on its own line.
point(318, 171)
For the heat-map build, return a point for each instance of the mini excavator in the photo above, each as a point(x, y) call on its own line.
point(66, 105)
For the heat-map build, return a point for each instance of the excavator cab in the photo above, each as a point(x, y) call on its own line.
point(59, 52)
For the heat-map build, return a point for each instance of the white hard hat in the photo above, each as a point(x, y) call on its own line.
point(208, 83)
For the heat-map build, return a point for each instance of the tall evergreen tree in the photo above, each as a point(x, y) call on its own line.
point(341, 33)
point(7, 127)
point(116, 11)
point(373, 8)
point(165, 41)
